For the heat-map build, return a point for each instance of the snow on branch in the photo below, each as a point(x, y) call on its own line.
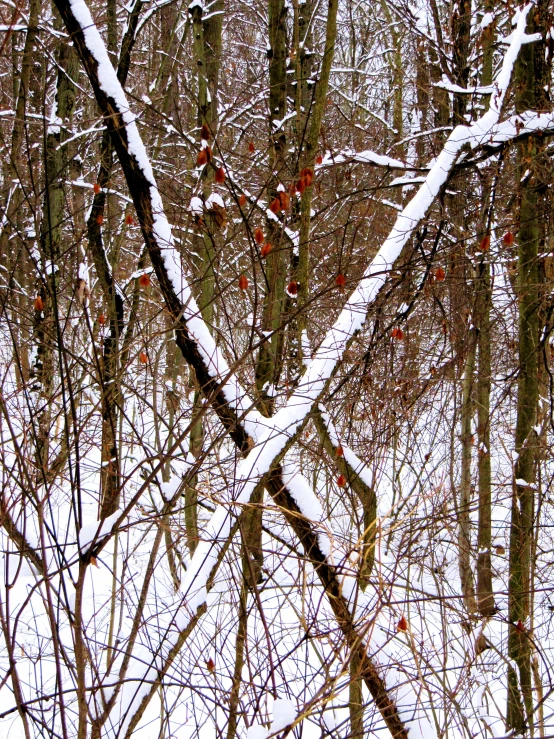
point(281, 428)
point(362, 157)
point(192, 333)
point(277, 432)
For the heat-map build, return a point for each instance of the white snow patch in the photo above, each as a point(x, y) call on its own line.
point(284, 713)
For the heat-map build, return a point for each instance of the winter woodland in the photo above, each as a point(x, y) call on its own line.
point(276, 369)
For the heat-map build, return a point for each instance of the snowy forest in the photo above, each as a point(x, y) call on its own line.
point(276, 369)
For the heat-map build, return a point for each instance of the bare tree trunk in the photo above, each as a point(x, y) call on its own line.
point(234, 698)
point(207, 50)
point(464, 504)
point(307, 158)
point(17, 259)
point(530, 77)
point(270, 358)
point(485, 597)
point(356, 699)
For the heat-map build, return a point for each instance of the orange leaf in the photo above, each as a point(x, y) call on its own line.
point(251, 147)
point(340, 280)
point(266, 248)
point(129, 220)
point(259, 236)
point(102, 319)
point(341, 481)
point(143, 358)
point(100, 219)
point(202, 157)
point(144, 280)
point(402, 625)
point(96, 188)
point(318, 159)
point(210, 665)
point(292, 287)
point(508, 238)
point(242, 200)
point(284, 200)
point(220, 175)
point(485, 243)
point(243, 282)
point(275, 206)
point(339, 451)
point(39, 305)
point(440, 274)
point(307, 175)
point(205, 133)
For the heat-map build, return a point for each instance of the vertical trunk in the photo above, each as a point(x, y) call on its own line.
point(464, 518)
point(485, 597)
point(15, 259)
point(356, 699)
point(270, 360)
point(307, 158)
point(461, 25)
point(397, 74)
point(234, 698)
point(207, 50)
point(113, 301)
point(422, 97)
point(530, 78)
point(55, 170)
